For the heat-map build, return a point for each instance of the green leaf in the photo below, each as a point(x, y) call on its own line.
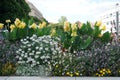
point(13, 35)
point(85, 43)
point(106, 37)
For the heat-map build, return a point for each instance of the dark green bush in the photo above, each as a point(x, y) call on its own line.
point(7, 57)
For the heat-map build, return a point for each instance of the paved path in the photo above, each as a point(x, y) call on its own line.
point(59, 78)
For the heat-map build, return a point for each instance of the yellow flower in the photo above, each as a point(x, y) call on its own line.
point(103, 27)
point(42, 25)
point(74, 27)
point(74, 34)
point(77, 73)
point(102, 75)
point(53, 32)
point(22, 25)
point(100, 35)
point(12, 27)
point(71, 75)
point(98, 23)
point(8, 68)
point(119, 71)
point(99, 75)
point(66, 26)
point(56, 66)
point(17, 22)
point(34, 26)
point(104, 70)
point(68, 73)
point(108, 71)
point(1, 25)
point(96, 74)
point(101, 71)
point(8, 21)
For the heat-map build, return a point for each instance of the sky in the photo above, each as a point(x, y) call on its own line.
point(74, 10)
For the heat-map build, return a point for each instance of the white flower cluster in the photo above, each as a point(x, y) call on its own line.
point(38, 50)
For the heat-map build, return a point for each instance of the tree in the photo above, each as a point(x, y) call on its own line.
point(11, 9)
point(62, 20)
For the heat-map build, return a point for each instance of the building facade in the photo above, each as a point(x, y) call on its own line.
point(109, 18)
point(34, 11)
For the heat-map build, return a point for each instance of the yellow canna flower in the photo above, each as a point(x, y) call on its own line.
point(42, 25)
point(74, 27)
point(74, 34)
point(17, 22)
point(34, 26)
point(98, 23)
point(12, 27)
point(66, 26)
point(1, 25)
point(53, 32)
point(103, 27)
point(8, 21)
point(21, 25)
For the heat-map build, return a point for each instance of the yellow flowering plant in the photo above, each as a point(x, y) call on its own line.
point(76, 38)
point(1, 25)
point(22, 28)
point(17, 30)
point(8, 69)
point(103, 72)
point(44, 29)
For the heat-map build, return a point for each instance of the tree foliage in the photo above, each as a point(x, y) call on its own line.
point(11, 9)
point(62, 20)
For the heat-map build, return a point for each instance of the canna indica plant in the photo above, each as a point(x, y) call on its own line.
point(22, 28)
point(78, 37)
point(15, 31)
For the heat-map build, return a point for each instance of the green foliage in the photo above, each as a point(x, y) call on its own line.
point(86, 29)
point(106, 37)
point(86, 34)
point(24, 28)
point(26, 70)
point(76, 51)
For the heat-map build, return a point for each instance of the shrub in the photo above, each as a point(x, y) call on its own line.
point(35, 51)
point(100, 56)
point(7, 57)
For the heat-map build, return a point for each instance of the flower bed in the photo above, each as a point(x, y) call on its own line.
point(58, 50)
